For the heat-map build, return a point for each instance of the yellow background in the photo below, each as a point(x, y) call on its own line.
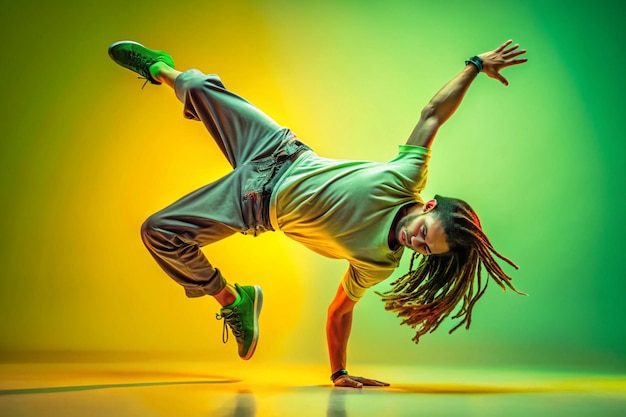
point(87, 155)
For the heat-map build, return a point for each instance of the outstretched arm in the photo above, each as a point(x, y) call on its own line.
point(338, 326)
point(447, 100)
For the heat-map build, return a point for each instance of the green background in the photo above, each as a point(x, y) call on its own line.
point(87, 155)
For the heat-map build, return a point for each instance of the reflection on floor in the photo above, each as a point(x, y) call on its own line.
point(192, 389)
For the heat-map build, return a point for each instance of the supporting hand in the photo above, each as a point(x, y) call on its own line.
point(357, 382)
point(502, 57)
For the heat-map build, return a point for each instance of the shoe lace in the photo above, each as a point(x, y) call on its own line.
point(139, 62)
point(232, 320)
point(147, 81)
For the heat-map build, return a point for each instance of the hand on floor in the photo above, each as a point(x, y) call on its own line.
point(357, 382)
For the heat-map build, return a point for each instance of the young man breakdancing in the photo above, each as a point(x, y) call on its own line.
point(364, 212)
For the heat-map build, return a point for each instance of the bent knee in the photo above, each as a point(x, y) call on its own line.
point(194, 82)
point(153, 231)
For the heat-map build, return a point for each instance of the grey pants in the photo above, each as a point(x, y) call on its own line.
point(257, 148)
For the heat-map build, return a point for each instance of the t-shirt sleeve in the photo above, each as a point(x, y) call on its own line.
point(411, 149)
point(356, 282)
point(411, 166)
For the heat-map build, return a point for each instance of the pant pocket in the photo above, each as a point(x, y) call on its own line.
point(254, 198)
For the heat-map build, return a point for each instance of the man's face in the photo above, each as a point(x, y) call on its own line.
point(423, 233)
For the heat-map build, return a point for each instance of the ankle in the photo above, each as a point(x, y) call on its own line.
point(227, 296)
point(156, 70)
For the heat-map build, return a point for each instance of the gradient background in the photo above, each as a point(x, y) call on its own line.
point(87, 155)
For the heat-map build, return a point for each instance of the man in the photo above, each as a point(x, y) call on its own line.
point(361, 211)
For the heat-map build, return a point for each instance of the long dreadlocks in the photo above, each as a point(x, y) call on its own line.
point(428, 294)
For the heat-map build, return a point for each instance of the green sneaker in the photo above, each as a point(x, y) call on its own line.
point(138, 58)
point(243, 319)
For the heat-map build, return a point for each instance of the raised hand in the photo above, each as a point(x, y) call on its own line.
point(502, 57)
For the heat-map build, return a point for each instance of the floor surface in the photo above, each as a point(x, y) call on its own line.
point(201, 389)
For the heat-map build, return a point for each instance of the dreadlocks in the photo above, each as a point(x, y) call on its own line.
point(426, 295)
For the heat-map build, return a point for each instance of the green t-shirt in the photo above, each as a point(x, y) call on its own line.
point(344, 209)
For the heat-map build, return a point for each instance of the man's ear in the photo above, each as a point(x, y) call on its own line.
point(431, 204)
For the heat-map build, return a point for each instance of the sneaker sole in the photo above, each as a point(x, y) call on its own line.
point(138, 44)
point(258, 303)
point(120, 42)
